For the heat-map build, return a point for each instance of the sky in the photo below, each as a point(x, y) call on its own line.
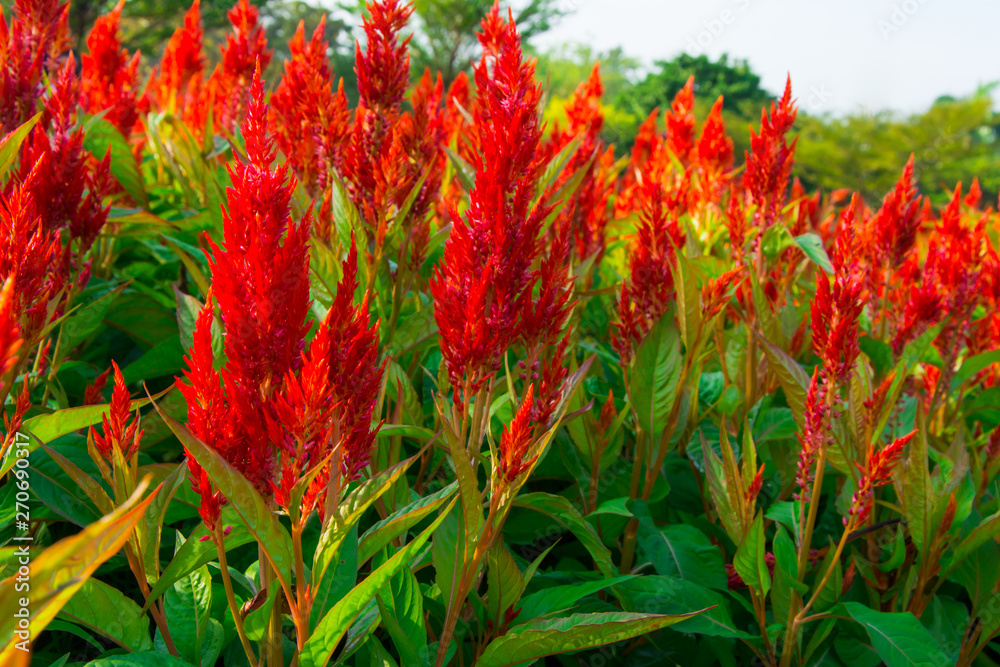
point(844, 56)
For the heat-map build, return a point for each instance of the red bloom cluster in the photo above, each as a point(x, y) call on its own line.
point(875, 473)
point(838, 305)
point(769, 161)
point(815, 435)
point(516, 440)
point(228, 87)
point(121, 434)
point(270, 396)
point(584, 217)
point(312, 122)
point(109, 78)
point(37, 34)
point(481, 286)
point(177, 82)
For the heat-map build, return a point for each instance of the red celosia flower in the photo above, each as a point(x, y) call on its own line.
point(63, 168)
point(120, 434)
point(838, 305)
point(261, 283)
point(479, 287)
point(876, 472)
point(312, 121)
point(815, 434)
point(37, 34)
point(94, 393)
point(649, 290)
point(109, 78)
point(383, 68)
point(245, 48)
point(178, 77)
point(330, 405)
point(516, 440)
point(769, 161)
point(681, 123)
point(713, 153)
point(29, 253)
point(10, 331)
point(585, 216)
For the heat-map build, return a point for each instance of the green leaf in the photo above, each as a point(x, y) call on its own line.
point(401, 605)
point(899, 638)
point(670, 595)
point(320, 646)
point(560, 598)
point(188, 606)
point(105, 610)
point(793, 379)
point(688, 300)
point(538, 639)
point(566, 516)
point(99, 136)
point(682, 551)
point(749, 559)
point(812, 246)
point(466, 172)
point(383, 532)
point(972, 366)
point(83, 322)
point(655, 374)
point(10, 147)
point(258, 518)
point(339, 579)
point(349, 512)
point(196, 552)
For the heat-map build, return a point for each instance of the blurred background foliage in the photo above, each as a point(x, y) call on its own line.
point(862, 151)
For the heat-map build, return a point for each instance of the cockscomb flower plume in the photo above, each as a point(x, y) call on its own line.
point(121, 435)
point(838, 304)
point(245, 49)
point(876, 472)
point(487, 259)
point(10, 331)
point(516, 441)
point(681, 123)
point(312, 121)
point(383, 67)
point(328, 409)
point(109, 78)
point(260, 280)
point(648, 292)
point(769, 161)
point(182, 65)
point(815, 436)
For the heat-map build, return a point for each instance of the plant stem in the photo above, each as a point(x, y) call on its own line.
point(227, 583)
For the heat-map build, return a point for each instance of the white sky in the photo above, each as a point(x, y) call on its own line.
point(843, 55)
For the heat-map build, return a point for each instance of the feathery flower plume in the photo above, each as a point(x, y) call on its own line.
point(94, 393)
point(120, 434)
point(29, 45)
point(312, 122)
point(109, 79)
point(876, 472)
point(838, 305)
point(328, 408)
point(713, 154)
point(29, 256)
point(177, 79)
point(245, 49)
point(383, 68)
point(769, 161)
point(261, 284)
point(10, 331)
point(815, 434)
point(649, 290)
point(681, 123)
point(479, 287)
point(516, 441)
point(585, 216)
